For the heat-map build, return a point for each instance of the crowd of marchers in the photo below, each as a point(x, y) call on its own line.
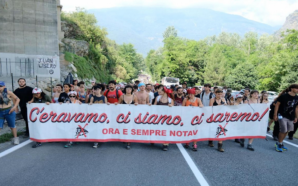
point(283, 110)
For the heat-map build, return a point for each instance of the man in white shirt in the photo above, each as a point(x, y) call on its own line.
point(149, 91)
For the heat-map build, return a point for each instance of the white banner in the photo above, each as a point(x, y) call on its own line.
point(145, 124)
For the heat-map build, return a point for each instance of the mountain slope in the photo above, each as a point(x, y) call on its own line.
point(291, 23)
point(143, 27)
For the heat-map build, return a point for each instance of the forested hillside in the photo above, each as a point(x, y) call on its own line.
point(256, 61)
point(106, 60)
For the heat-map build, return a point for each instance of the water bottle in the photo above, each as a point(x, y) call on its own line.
point(279, 116)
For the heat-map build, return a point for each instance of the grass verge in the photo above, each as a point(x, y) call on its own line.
point(7, 136)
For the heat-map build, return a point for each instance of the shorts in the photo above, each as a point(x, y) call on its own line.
point(285, 125)
point(10, 118)
point(271, 114)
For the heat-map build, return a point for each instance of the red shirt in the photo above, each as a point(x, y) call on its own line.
point(112, 96)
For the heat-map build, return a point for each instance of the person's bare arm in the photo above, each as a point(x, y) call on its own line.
point(184, 102)
point(15, 101)
point(172, 103)
point(136, 100)
point(211, 101)
point(120, 99)
point(91, 101)
point(200, 103)
point(276, 110)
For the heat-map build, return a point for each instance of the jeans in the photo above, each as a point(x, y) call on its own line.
point(10, 118)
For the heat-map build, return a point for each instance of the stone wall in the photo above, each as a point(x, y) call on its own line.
point(28, 27)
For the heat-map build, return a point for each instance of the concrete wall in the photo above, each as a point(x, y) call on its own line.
point(29, 27)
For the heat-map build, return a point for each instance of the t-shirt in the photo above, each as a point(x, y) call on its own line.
point(43, 100)
point(112, 96)
point(198, 96)
point(151, 96)
point(24, 94)
point(206, 98)
point(64, 98)
point(178, 101)
point(287, 106)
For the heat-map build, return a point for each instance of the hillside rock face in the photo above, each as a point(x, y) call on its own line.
point(291, 23)
point(70, 30)
point(78, 47)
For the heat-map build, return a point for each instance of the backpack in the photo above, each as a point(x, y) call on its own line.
point(210, 95)
point(107, 92)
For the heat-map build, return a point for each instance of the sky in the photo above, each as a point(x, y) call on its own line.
point(271, 12)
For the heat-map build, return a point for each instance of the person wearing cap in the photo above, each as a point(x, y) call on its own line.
point(39, 97)
point(194, 102)
point(7, 110)
point(24, 93)
point(112, 93)
point(228, 97)
point(142, 95)
point(238, 99)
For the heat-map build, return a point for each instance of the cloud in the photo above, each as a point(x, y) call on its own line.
point(272, 12)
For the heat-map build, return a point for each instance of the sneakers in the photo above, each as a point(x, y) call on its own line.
point(284, 148)
point(278, 147)
point(95, 145)
point(186, 145)
point(249, 147)
point(165, 147)
point(210, 144)
point(128, 146)
point(68, 145)
point(242, 142)
point(237, 140)
point(194, 147)
point(37, 144)
point(290, 138)
point(16, 141)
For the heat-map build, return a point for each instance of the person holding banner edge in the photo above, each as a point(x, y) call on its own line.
point(39, 97)
point(286, 112)
point(7, 110)
point(217, 100)
point(165, 99)
point(194, 102)
point(73, 95)
point(128, 98)
point(253, 99)
point(98, 98)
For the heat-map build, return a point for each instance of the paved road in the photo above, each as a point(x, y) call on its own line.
point(111, 164)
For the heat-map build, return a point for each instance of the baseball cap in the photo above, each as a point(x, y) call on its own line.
point(36, 90)
point(2, 83)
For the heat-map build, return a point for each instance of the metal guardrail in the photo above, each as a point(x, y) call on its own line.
point(23, 68)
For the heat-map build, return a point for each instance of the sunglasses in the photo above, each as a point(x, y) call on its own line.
point(72, 96)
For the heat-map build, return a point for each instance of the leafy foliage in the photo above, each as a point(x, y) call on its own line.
point(106, 60)
point(259, 62)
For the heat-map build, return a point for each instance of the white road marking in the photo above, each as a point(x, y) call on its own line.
point(285, 141)
point(192, 166)
point(10, 150)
